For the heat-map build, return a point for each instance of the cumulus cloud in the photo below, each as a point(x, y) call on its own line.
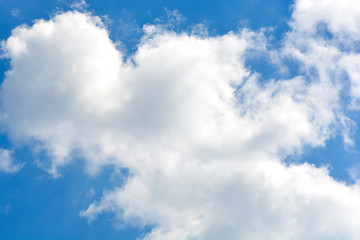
point(203, 138)
point(325, 37)
point(7, 162)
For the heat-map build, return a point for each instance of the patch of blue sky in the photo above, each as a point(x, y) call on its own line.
point(41, 207)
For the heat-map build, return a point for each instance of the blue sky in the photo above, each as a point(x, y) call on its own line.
point(114, 114)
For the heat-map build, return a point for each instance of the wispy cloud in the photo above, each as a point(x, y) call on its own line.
point(15, 12)
point(7, 163)
point(79, 5)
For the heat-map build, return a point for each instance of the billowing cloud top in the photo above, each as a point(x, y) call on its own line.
point(203, 139)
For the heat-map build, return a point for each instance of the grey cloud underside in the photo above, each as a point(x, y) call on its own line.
point(202, 138)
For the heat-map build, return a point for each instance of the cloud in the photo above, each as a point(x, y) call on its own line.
point(7, 162)
point(247, 201)
point(15, 12)
point(354, 172)
point(203, 138)
point(79, 4)
point(324, 36)
point(308, 14)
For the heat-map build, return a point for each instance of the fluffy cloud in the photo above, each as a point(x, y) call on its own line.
point(202, 137)
point(7, 162)
point(340, 18)
point(325, 37)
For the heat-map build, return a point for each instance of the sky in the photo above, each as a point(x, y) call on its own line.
point(180, 119)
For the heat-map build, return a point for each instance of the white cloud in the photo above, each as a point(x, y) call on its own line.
point(325, 36)
point(202, 138)
point(79, 4)
point(74, 81)
point(7, 162)
point(354, 172)
point(340, 17)
point(238, 200)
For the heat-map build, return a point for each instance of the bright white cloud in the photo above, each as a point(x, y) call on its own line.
point(7, 162)
point(325, 37)
point(203, 139)
point(340, 17)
